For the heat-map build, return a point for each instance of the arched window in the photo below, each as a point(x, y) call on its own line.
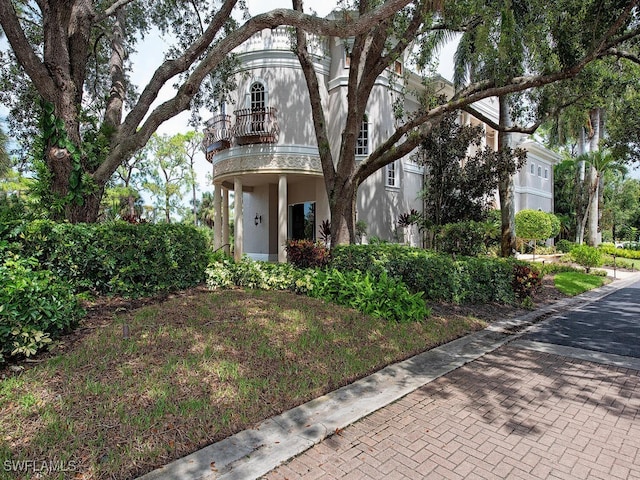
point(362, 143)
point(258, 105)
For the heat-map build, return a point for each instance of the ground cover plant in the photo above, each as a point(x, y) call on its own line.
point(141, 388)
point(575, 283)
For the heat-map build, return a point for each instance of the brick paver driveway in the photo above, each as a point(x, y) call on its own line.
point(514, 413)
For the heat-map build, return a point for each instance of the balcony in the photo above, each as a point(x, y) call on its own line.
point(217, 135)
point(256, 126)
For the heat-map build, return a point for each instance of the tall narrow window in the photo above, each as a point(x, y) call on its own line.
point(392, 179)
point(258, 104)
point(539, 171)
point(362, 143)
point(533, 169)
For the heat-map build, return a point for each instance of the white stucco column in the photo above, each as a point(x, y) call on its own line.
point(282, 218)
point(225, 220)
point(237, 219)
point(217, 220)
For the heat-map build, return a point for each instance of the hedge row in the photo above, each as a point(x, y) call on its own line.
point(464, 280)
point(116, 258)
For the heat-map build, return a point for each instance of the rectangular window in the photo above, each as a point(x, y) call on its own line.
point(362, 143)
point(539, 171)
point(397, 65)
point(533, 169)
point(546, 173)
point(392, 179)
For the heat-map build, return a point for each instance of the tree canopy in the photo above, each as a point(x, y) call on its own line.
point(70, 63)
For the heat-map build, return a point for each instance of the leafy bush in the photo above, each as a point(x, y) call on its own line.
point(463, 238)
point(533, 225)
point(382, 297)
point(117, 258)
point(556, 225)
point(437, 275)
point(526, 281)
point(587, 256)
point(307, 254)
point(486, 280)
point(35, 306)
point(564, 246)
point(226, 273)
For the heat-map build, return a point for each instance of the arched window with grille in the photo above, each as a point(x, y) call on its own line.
point(258, 103)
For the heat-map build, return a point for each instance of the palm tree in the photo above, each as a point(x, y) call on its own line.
point(600, 162)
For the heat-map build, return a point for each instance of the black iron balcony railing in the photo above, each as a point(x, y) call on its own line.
point(256, 126)
point(217, 135)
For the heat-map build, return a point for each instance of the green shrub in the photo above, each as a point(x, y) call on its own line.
point(382, 297)
point(485, 280)
point(587, 256)
point(441, 278)
point(463, 238)
point(307, 254)
point(533, 225)
point(117, 258)
point(556, 225)
point(564, 246)
point(35, 306)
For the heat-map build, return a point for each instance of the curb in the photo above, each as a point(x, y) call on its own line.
point(254, 452)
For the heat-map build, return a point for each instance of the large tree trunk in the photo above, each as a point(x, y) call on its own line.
point(592, 212)
point(506, 188)
point(596, 119)
point(343, 218)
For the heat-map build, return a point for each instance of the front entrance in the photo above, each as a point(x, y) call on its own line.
point(302, 221)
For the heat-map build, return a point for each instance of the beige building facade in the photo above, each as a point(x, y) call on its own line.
point(264, 154)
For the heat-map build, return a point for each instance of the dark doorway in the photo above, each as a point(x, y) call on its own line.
point(302, 221)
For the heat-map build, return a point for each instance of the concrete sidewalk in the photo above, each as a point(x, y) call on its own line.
point(416, 383)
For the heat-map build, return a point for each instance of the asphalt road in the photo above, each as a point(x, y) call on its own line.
point(610, 325)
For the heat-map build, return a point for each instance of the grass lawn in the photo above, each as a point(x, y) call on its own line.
point(193, 370)
point(575, 283)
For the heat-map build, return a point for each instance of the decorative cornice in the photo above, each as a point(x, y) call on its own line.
point(268, 164)
point(533, 191)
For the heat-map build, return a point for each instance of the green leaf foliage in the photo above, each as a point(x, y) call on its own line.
point(438, 276)
point(117, 258)
point(533, 225)
point(35, 305)
point(380, 296)
point(587, 256)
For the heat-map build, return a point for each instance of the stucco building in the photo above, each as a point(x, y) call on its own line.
point(262, 147)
